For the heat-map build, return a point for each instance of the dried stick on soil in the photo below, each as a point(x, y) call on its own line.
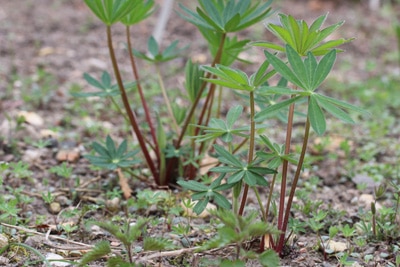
point(166, 254)
point(47, 236)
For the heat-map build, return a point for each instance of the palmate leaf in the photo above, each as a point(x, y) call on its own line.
point(303, 38)
point(140, 11)
point(275, 108)
point(316, 116)
point(111, 157)
point(110, 11)
point(193, 74)
point(217, 128)
point(157, 56)
point(307, 74)
point(104, 84)
point(283, 69)
point(229, 77)
point(227, 16)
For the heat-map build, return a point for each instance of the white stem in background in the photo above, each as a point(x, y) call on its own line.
point(374, 4)
point(159, 29)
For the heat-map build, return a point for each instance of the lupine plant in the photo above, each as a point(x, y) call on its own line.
point(216, 20)
point(302, 73)
point(248, 158)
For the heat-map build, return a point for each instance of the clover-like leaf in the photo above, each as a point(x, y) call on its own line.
point(104, 84)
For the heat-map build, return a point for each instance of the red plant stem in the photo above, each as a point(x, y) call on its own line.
point(251, 150)
point(142, 98)
point(281, 242)
point(131, 115)
point(217, 59)
point(285, 166)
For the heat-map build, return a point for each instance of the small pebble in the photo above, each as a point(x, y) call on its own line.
point(55, 207)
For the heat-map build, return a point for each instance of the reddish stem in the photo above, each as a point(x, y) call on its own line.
point(281, 242)
point(142, 98)
point(131, 115)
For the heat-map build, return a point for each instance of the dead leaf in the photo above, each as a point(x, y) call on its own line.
point(124, 184)
point(335, 246)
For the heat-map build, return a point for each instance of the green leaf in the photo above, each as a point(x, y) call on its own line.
point(110, 11)
point(92, 81)
point(229, 158)
point(141, 11)
point(221, 200)
point(311, 65)
point(201, 205)
point(157, 244)
point(100, 250)
point(265, 44)
point(110, 146)
point(232, 23)
point(275, 108)
point(297, 66)
point(233, 115)
point(260, 77)
point(283, 69)
point(269, 258)
point(225, 169)
point(317, 24)
point(316, 116)
point(324, 67)
point(235, 263)
point(193, 75)
point(192, 185)
point(344, 105)
point(328, 46)
point(282, 34)
point(332, 109)
point(153, 46)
